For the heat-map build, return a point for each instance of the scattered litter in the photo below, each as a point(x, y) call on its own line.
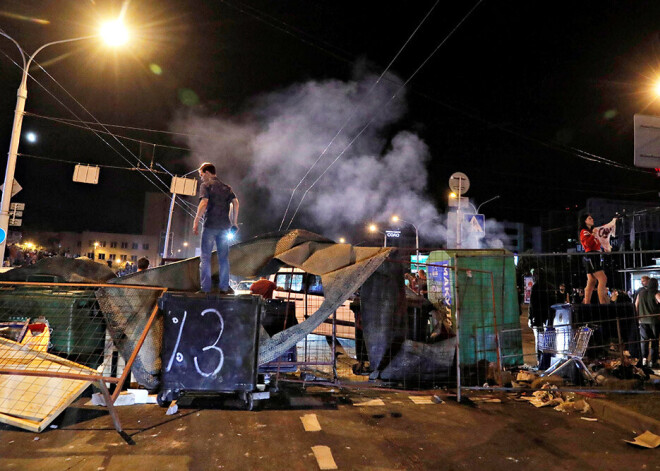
point(141, 395)
point(646, 440)
point(489, 399)
point(590, 419)
point(438, 400)
point(511, 458)
point(547, 396)
point(36, 439)
point(324, 457)
point(574, 406)
point(310, 423)
point(124, 399)
point(173, 409)
point(421, 400)
point(526, 376)
point(53, 426)
point(373, 402)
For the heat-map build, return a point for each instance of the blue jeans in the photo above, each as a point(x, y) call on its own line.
point(209, 236)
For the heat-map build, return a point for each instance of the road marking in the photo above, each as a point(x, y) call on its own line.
point(420, 400)
point(373, 402)
point(311, 423)
point(324, 457)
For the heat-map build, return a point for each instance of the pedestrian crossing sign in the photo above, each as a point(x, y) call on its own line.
point(476, 223)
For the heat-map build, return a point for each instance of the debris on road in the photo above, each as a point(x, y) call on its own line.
point(373, 402)
point(645, 440)
point(310, 423)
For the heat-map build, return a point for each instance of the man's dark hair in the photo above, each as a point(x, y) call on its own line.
point(207, 167)
point(143, 263)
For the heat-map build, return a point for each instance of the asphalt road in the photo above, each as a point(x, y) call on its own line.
point(215, 434)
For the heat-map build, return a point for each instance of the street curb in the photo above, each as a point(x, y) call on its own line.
point(627, 419)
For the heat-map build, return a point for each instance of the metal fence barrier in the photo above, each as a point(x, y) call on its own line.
point(58, 338)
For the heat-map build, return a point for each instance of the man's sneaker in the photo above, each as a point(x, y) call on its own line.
point(227, 291)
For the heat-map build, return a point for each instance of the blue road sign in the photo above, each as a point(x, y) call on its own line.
point(475, 223)
point(3, 235)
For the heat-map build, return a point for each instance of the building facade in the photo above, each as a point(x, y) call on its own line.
point(107, 247)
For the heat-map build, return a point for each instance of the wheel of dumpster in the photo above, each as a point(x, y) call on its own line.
point(249, 401)
point(165, 397)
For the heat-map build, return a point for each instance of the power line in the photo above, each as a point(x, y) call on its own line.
point(353, 112)
point(449, 35)
point(84, 125)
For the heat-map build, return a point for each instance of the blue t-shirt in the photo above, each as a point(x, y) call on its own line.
point(220, 197)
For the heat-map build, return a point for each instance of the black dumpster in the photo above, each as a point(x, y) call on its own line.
point(210, 344)
point(613, 324)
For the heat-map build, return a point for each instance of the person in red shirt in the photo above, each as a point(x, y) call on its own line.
point(264, 287)
point(592, 262)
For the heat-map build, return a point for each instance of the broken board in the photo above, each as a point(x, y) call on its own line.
point(33, 402)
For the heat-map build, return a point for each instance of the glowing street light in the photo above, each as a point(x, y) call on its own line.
point(114, 33)
point(21, 97)
point(342, 240)
point(374, 228)
point(31, 137)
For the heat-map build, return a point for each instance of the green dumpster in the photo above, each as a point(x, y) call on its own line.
point(476, 294)
point(77, 326)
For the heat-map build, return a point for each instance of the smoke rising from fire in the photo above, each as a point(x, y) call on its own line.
point(264, 153)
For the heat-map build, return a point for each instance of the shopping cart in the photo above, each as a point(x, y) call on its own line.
point(572, 351)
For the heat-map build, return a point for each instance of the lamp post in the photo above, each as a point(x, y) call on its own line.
point(374, 228)
point(397, 219)
point(416, 227)
point(111, 34)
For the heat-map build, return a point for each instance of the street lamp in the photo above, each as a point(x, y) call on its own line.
point(374, 228)
point(21, 96)
point(397, 219)
point(96, 244)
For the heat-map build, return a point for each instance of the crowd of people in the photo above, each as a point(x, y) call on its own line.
point(19, 255)
point(417, 282)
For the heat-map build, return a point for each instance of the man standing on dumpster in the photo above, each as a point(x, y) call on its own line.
point(216, 202)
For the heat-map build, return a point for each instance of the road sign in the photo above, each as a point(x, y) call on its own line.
point(15, 188)
point(459, 183)
point(647, 141)
point(13, 214)
point(475, 223)
point(17, 206)
point(15, 222)
point(3, 235)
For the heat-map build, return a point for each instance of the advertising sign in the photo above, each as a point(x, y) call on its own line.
point(440, 281)
point(529, 282)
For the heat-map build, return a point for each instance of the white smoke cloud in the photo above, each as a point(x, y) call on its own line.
point(264, 154)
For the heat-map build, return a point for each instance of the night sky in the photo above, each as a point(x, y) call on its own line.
point(520, 96)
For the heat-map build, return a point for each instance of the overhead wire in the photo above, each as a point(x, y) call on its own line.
point(96, 132)
point(72, 123)
point(352, 114)
point(446, 38)
point(576, 152)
